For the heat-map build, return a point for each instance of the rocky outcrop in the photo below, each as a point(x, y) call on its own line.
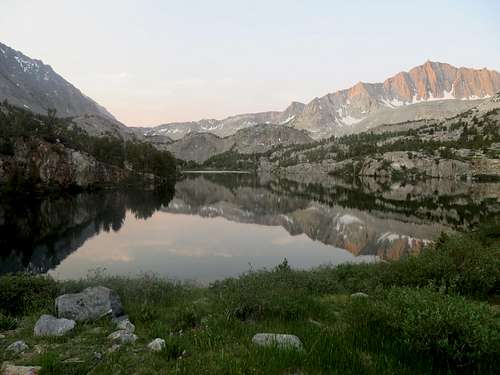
point(48, 165)
point(416, 163)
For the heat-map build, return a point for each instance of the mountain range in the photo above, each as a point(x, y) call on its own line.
point(432, 90)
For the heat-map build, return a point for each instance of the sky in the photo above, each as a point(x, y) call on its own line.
point(150, 62)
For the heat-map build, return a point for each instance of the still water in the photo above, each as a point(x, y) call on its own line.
point(216, 226)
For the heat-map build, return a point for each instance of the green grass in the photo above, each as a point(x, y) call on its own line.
point(427, 314)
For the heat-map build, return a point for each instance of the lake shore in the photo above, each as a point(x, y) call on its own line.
point(437, 312)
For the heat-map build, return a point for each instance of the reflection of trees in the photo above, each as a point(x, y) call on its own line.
point(37, 234)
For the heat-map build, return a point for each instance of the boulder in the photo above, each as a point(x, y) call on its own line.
point(123, 336)
point(282, 341)
point(10, 369)
point(91, 304)
point(156, 345)
point(17, 347)
point(48, 325)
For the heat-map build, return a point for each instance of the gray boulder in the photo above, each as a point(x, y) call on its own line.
point(48, 325)
point(282, 341)
point(91, 304)
point(17, 347)
point(156, 345)
point(123, 336)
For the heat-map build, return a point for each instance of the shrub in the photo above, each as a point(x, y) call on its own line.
point(455, 332)
point(21, 293)
point(279, 294)
point(457, 263)
point(7, 322)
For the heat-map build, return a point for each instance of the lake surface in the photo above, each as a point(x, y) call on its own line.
point(221, 225)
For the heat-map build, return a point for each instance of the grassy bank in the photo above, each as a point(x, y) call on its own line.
point(436, 313)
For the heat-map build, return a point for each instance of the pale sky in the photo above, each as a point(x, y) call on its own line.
point(151, 61)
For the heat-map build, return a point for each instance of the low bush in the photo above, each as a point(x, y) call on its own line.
point(279, 294)
point(455, 332)
point(21, 294)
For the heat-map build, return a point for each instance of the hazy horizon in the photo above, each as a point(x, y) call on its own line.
point(153, 62)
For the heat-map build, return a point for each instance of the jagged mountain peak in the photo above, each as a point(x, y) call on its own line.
point(348, 110)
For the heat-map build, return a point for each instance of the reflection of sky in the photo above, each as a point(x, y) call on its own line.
point(195, 248)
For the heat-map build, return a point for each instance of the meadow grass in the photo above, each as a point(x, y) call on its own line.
point(434, 313)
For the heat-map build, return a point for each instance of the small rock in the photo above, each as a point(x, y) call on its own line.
point(48, 325)
point(73, 360)
point(97, 330)
point(315, 322)
point(282, 341)
point(10, 369)
point(126, 325)
point(90, 304)
point(156, 345)
point(38, 349)
point(98, 356)
point(359, 295)
point(18, 347)
point(2, 336)
point(123, 336)
point(114, 348)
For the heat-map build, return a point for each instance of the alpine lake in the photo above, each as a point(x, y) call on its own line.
point(218, 225)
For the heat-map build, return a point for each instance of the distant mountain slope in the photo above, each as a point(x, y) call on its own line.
point(227, 126)
point(29, 83)
point(200, 147)
point(430, 91)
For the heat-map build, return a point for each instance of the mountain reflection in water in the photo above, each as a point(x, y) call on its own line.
point(221, 225)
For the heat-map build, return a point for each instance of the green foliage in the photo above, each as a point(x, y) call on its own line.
point(232, 160)
point(142, 157)
point(455, 332)
point(7, 322)
point(21, 294)
point(251, 297)
point(172, 350)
